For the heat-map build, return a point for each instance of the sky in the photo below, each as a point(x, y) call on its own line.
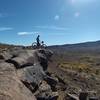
point(56, 21)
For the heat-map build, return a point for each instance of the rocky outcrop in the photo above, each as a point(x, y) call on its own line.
point(24, 76)
point(11, 87)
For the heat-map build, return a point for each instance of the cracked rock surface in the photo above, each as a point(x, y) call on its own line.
point(23, 75)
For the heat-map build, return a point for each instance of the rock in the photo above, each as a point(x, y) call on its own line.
point(71, 97)
point(54, 96)
point(47, 96)
point(43, 61)
point(5, 55)
point(7, 69)
point(32, 75)
point(24, 58)
point(46, 52)
point(18, 61)
point(44, 87)
point(16, 51)
point(23, 72)
point(93, 98)
point(83, 96)
point(44, 56)
point(51, 81)
point(45, 93)
point(10, 86)
point(14, 89)
point(1, 56)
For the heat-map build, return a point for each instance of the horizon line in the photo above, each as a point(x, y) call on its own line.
point(1, 43)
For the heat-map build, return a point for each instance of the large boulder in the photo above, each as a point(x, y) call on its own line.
point(22, 58)
point(10, 86)
point(43, 57)
point(22, 73)
point(31, 76)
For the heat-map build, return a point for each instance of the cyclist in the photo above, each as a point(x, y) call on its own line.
point(38, 41)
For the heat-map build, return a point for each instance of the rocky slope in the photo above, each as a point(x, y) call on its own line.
point(24, 76)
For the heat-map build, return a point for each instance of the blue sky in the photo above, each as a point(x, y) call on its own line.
point(57, 21)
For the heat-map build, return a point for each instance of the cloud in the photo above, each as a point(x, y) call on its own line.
point(52, 28)
point(6, 28)
point(57, 17)
point(77, 14)
point(24, 33)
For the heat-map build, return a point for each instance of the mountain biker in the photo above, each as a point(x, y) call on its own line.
point(38, 41)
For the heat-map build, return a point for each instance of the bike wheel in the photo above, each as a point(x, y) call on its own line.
point(34, 45)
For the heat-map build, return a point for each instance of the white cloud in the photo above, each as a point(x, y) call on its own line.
point(57, 17)
point(77, 14)
point(6, 28)
point(52, 28)
point(25, 33)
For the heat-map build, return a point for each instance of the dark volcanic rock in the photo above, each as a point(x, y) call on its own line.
point(83, 96)
point(23, 74)
point(29, 71)
point(32, 75)
point(43, 57)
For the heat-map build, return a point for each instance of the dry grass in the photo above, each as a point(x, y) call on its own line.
point(80, 67)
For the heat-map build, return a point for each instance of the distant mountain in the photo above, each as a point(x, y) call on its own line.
point(3, 46)
point(80, 47)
